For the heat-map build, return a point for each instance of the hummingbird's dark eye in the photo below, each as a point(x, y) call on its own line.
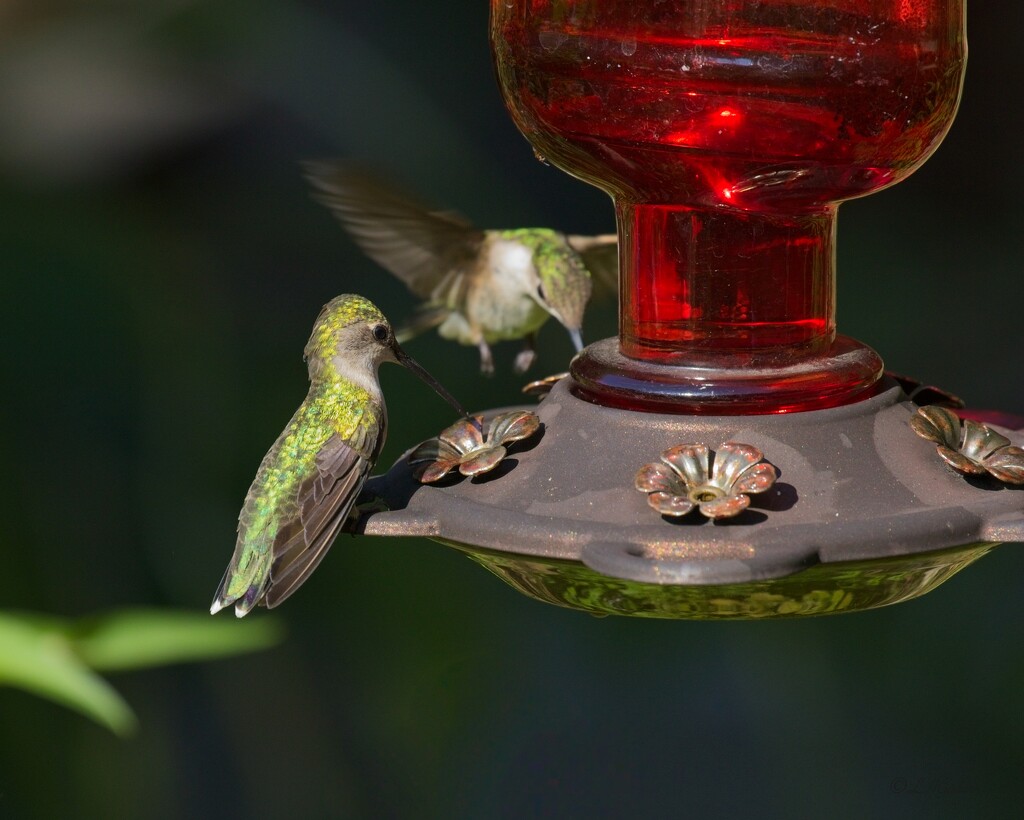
point(540, 293)
point(380, 333)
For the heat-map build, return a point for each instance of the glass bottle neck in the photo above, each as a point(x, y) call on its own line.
point(720, 287)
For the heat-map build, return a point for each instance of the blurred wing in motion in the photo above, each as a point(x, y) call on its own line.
point(422, 320)
point(422, 248)
point(601, 256)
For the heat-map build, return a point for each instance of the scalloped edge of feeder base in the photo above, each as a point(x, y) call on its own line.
point(856, 484)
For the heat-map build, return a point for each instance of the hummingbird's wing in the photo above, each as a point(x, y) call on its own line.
point(324, 502)
point(601, 256)
point(419, 246)
point(425, 318)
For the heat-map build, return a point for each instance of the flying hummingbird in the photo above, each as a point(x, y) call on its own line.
point(479, 286)
point(308, 482)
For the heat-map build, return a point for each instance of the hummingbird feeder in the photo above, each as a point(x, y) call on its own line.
point(729, 455)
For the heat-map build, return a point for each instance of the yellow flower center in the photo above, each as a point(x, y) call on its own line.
point(705, 492)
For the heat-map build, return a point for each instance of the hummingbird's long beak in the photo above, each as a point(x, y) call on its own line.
point(577, 338)
point(411, 364)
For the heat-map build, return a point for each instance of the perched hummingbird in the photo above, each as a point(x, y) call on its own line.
point(479, 286)
point(308, 482)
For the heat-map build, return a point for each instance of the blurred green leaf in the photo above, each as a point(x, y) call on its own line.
point(37, 657)
point(55, 658)
point(136, 638)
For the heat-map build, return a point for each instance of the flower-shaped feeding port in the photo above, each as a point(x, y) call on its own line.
point(926, 394)
point(683, 480)
point(464, 445)
point(968, 446)
point(540, 388)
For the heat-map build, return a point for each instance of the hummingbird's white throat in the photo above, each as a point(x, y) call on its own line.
point(357, 358)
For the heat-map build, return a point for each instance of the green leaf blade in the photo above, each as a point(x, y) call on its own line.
point(36, 657)
point(140, 638)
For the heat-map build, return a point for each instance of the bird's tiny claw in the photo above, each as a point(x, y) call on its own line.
point(524, 360)
point(486, 359)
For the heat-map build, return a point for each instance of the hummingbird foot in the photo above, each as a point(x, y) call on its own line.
point(486, 359)
point(365, 507)
point(526, 357)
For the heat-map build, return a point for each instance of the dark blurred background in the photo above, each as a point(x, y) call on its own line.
point(162, 263)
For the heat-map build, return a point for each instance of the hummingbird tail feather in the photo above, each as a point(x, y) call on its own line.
point(242, 587)
point(221, 599)
point(248, 600)
point(244, 603)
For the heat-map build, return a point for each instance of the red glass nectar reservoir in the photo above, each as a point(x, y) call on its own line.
point(727, 133)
